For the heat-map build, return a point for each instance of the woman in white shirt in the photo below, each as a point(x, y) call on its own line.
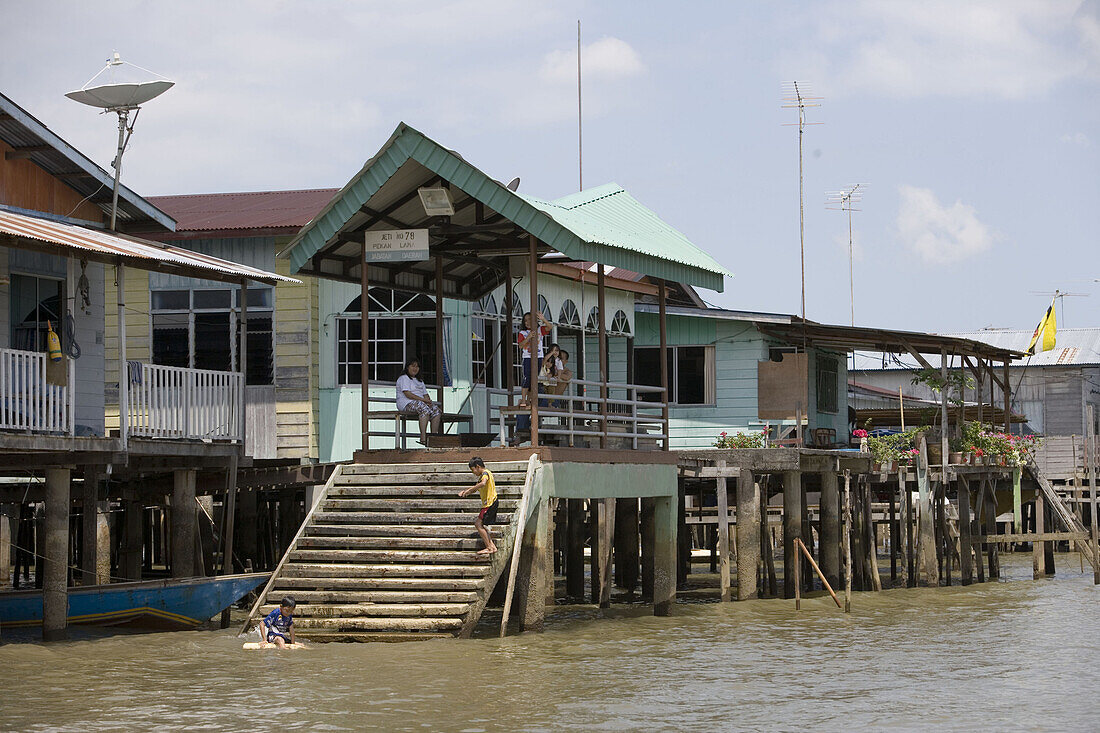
point(412, 396)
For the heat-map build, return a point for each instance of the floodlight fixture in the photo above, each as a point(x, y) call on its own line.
point(436, 201)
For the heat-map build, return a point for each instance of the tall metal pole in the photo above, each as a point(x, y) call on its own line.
point(123, 114)
point(851, 269)
point(580, 158)
point(801, 211)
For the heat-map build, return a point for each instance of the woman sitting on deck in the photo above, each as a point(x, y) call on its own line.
point(412, 396)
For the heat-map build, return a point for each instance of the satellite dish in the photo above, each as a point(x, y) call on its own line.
point(514, 184)
point(121, 88)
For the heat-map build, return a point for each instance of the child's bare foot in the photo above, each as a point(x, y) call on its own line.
point(487, 551)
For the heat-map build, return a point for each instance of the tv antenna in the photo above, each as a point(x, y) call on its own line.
point(1059, 296)
point(846, 200)
point(121, 91)
point(797, 96)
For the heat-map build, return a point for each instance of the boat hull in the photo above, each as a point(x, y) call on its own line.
point(179, 603)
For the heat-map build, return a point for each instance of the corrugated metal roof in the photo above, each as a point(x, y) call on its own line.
point(43, 147)
point(1073, 347)
point(615, 235)
point(246, 210)
point(109, 247)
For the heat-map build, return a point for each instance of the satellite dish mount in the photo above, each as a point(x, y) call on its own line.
point(121, 92)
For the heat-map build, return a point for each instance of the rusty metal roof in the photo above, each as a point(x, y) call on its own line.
point(33, 140)
point(203, 212)
point(29, 232)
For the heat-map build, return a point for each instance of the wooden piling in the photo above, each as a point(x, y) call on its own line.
point(648, 532)
point(1038, 555)
point(55, 599)
point(574, 549)
point(792, 528)
point(990, 513)
point(594, 551)
point(926, 541)
point(894, 534)
point(723, 540)
point(664, 566)
point(133, 525)
point(183, 523)
point(534, 571)
point(966, 561)
point(829, 512)
point(626, 544)
point(96, 542)
point(246, 537)
point(607, 536)
point(846, 545)
point(767, 551)
point(748, 534)
point(6, 518)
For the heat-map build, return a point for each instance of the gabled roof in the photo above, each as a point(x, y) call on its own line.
point(1074, 347)
point(264, 210)
point(603, 225)
point(36, 142)
point(63, 239)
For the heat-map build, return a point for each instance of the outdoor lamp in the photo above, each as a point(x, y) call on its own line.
point(436, 201)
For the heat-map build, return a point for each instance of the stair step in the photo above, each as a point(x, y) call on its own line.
point(287, 585)
point(368, 623)
point(471, 504)
point(446, 491)
point(366, 637)
point(465, 530)
point(349, 570)
point(383, 596)
point(391, 610)
point(466, 518)
point(396, 543)
point(426, 479)
point(400, 556)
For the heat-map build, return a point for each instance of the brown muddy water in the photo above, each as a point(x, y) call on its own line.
point(1012, 655)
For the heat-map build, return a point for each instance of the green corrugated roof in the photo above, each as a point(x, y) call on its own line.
point(604, 224)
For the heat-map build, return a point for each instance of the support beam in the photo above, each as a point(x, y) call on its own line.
point(5, 545)
point(748, 534)
point(439, 365)
point(723, 533)
point(133, 542)
point(966, 561)
point(1038, 547)
point(183, 524)
point(602, 336)
point(532, 276)
point(55, 598)
point(792, 528)
point(576, 527)
point(626, 544)
point(532, 599)
point(663, 355)
point(829, 513)
point(364, 346)
point(648, 532)
point(607, 541)
point(664, 555)
point(96, 544)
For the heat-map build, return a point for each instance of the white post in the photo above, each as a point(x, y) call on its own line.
point(123, 367)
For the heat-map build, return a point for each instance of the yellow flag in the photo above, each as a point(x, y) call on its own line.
point(1045, 332)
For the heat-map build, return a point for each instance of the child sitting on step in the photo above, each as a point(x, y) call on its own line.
point(277, 627)
point(487, 489)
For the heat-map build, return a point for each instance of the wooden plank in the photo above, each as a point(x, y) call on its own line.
point(723, 536)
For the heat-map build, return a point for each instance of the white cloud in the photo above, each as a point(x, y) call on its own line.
point(1077, 138)
point(940, 234)
point(606, 59)
point(1010, 49)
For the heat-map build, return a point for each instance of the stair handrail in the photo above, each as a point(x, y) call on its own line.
point(1068, 518)
point(517, 540)
point(290, 548)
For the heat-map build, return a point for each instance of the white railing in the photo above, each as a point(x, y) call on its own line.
point(624, 419)
point(175, 402)
point(27, 401)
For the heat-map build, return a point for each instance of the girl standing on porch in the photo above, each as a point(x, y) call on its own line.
point(412, 396)
point(530, 342)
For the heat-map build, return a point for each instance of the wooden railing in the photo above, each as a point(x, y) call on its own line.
point(176, 402)
point(624, 419)
point(27, 401)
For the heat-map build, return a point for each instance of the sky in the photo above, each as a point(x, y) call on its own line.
point(975, 126)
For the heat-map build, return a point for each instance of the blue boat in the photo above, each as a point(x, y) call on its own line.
point(177, 603)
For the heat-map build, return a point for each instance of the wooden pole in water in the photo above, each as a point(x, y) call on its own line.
point(1091, 457)
point(648, 532)
point(574, 549)
point(607, 529)
point(792, 527)
point(846, 541)
point(892, 527)
point(748, 534)
point(797, 577)
point(55, 598)
point(824, 582)
point(723, 532)
point(1038, 559)
point(966, 562)
point(829, 513)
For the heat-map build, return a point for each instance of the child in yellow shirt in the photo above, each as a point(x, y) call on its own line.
point(487, 489)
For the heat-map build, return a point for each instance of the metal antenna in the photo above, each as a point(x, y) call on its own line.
point(796, 96)
point(1060, 297)
point(580, 158)
point(845, 201)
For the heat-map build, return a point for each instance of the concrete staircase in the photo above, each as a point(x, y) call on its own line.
point(389, 553)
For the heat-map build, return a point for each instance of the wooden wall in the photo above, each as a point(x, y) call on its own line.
point(25, 185)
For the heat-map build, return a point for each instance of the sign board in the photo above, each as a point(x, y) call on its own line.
point(396, 245)
point(782, 387)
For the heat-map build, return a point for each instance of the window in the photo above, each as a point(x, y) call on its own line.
point(620, 324)
point(826, 384)
point(483, 326)
point(544, 308)
point(569, 316)
point(404, 327)
point(593, 322)
point(690, 373)
point(35, 302)
point(201, 329)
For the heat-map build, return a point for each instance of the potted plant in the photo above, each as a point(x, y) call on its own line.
point(740, 440)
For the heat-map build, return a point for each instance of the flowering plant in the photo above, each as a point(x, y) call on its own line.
point(740, 440)
point(859, 433)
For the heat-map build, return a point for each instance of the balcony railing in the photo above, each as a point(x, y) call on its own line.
point(28, 401)
point(175, 402)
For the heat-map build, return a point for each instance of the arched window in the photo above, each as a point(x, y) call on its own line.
point(402, 325)
point(593, 323)
point(620, 323)
point(569, 316)
point(517, 308)
point(385, 300)
point(544, 307)
point(486, 307)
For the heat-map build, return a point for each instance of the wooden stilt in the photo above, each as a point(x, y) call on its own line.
point(966, 561)
point(894, 538)
point(55, 599)
point(829, 549)
point(872, 543)
point(574, 549)
point(664, 566)
point(648, 547)
point(607, 530)
point(594, 553)
point(1038, 554)
point(792, 528)
point(627, 543)
point(183, 523)
point(767, 544)
point(723, 540)
point(846, 545)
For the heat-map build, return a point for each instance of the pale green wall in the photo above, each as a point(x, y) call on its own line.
point(608, 480)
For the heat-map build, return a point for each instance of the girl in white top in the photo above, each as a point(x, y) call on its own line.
point(412, 396)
